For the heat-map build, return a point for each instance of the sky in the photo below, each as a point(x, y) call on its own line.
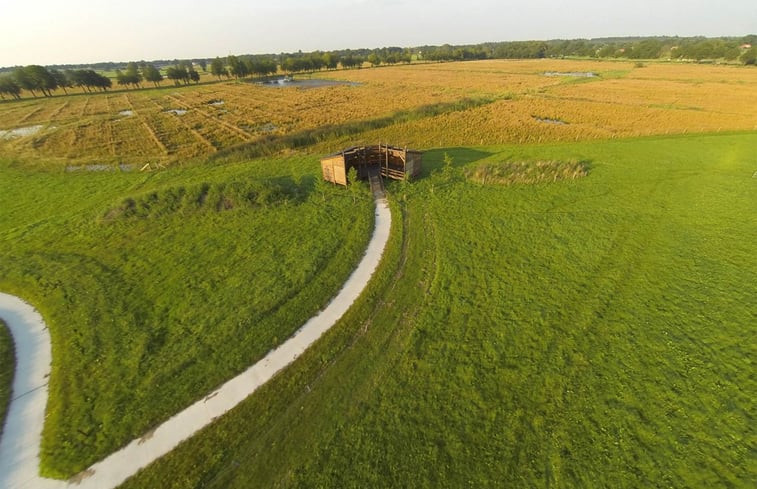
point(83, 31)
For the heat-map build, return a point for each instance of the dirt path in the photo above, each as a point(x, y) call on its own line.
point(19, 446)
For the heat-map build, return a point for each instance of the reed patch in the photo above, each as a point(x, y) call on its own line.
point(526, 172)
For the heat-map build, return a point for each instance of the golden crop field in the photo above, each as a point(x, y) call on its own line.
point(531, 101)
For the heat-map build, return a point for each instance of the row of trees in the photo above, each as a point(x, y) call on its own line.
point(35, 78)
point(244, 66)
point(692, 48)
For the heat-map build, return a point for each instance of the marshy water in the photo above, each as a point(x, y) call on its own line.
point(100, 167)
point(176, 111)
point(576, 74)
point(548, 120)
point(306, 83)
point(20, 132)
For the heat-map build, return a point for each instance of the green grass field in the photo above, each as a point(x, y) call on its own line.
point(160, 287)
point(595, 332)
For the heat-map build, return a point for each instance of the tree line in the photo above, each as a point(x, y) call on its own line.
point(37, 79)
point(732, 49)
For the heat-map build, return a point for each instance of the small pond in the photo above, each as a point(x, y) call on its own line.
point(576, 74)
point(19, 132)
point(548, 120)
point(99, 167)
point(176, 111)
point(306, 83)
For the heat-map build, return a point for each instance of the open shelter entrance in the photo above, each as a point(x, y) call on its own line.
point(371, 161)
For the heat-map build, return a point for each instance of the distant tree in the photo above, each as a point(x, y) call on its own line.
point(606, 51)
point(218, 69)
point(61, 80)
point(25, 81)
point(330, 60)
point(351, 61)
point(8, 86)
point(134, 77)
point(204, 65)
point(289, 65)
point(193, 75)
point(35, 77)
point(749, 57)
point(374, 59)
point(97, 80)
point(178, 74)
point(77, 79)
point(88, 79)
point(121, 79)
point(237, 68)
point(316, 62)
point(262, 66)
point(152, 74)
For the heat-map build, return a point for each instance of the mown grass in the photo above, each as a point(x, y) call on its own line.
point(584, 333)
point(7, 363)
point(154, 305)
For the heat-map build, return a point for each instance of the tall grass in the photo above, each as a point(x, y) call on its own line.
point(522, 172)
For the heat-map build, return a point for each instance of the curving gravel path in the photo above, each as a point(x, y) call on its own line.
point(20, 443)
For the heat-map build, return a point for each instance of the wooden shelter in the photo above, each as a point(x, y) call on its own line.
point(387, 161)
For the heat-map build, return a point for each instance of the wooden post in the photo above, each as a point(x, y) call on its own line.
point(387, 158)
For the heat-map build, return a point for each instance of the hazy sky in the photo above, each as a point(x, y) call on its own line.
point(84, 31)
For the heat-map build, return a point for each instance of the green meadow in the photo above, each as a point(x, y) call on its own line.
point(159, 287)
point(591, 332)
point(589, 327)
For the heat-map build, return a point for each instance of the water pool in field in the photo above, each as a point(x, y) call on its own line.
point(19, 132)
point(576, 74)
point(306, 83)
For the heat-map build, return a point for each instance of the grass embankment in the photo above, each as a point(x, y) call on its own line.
point(159, 287)
point(7, 364)
point(585, 333)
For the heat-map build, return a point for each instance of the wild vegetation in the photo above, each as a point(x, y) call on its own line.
point(566, 332)
point(526, 172)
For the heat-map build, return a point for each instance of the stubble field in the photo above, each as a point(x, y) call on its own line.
point(516, 102)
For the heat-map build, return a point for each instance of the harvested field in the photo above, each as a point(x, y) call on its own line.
point(177, 123)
